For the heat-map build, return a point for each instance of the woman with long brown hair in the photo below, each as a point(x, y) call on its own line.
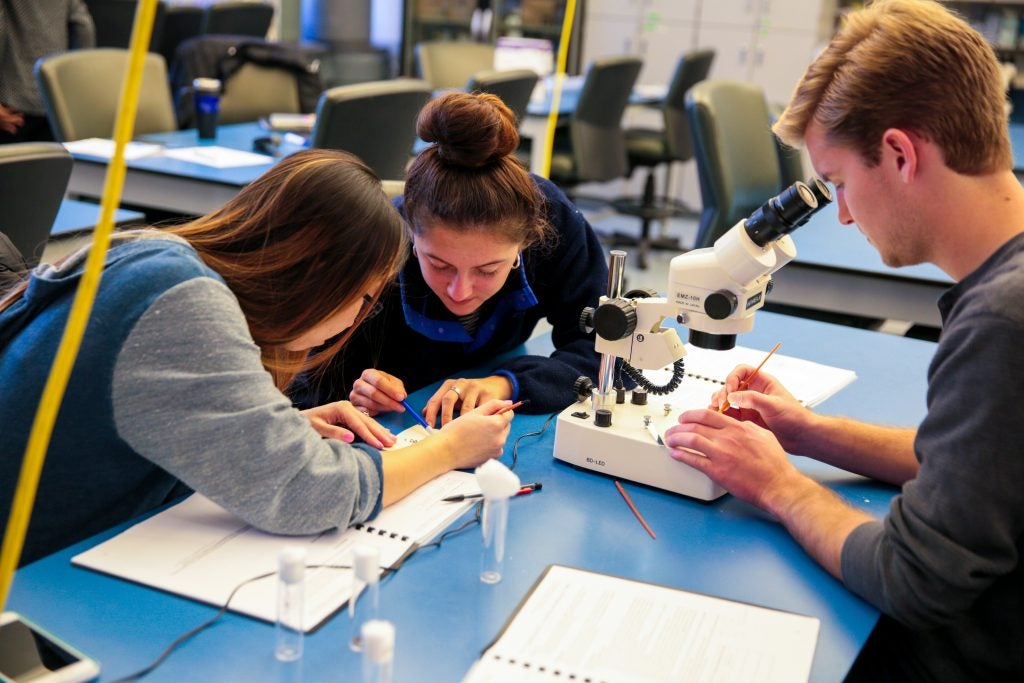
point(195, 333)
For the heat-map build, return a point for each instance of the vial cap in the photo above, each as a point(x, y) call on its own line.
point(366, 560)
point(378, 640)
point(291, 564)
point(496, 480)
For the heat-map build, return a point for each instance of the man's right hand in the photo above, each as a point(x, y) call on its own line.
point(378, 392)
point(10, 120)
point(767, 403)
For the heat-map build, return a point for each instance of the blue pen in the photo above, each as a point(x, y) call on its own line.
point(416, 416)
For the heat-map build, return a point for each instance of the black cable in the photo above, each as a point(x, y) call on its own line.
point(208, 623)
point(515, 444)
point(678, 372)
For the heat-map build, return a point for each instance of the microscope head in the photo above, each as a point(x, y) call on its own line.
point(718, 289)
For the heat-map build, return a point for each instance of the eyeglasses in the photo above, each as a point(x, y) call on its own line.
point(371, 307)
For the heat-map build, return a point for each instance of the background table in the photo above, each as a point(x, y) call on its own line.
point(445, 617)
point(837, 270)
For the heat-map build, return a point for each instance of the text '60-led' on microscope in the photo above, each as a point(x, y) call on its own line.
point(714, 292)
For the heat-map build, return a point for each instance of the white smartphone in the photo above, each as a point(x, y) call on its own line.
point(28, 653)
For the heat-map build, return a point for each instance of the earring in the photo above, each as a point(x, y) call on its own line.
point(518, 262)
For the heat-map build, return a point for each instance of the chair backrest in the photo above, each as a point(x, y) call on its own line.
point(375, 121)
point(181, 22)
point(258, 77)
point(598, 140)
point(735, 150)
point(514, 87)
point(239, 18)
point(114, 19)
point(81, 88)
point(33, 178)
point(693, 67)
point(450, 64)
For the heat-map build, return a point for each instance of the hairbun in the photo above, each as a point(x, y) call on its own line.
point(469, 130)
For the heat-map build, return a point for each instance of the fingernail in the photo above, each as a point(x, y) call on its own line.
point(348, 438)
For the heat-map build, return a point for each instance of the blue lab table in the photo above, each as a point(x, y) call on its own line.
point(445, 617)
point(77, 216)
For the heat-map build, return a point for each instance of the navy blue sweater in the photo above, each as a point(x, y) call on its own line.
point(416, 339)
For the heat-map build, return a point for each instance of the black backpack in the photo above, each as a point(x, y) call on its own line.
point(221, 56)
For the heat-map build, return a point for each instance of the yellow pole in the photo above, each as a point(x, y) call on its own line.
point(60, 372)
point(556, 92)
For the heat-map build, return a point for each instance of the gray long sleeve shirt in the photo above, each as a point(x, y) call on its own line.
point(168, 388)
point(946, 561)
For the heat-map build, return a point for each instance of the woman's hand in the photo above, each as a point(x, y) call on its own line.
point(477, 435)
point(326, 420)
point(465, 394)
point(378, 392)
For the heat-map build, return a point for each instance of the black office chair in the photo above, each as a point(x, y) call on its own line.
point(181, 22)
point(647, 148)
point(114, 20)
point(592, 148)
point(33, 179)
point(238, 18)
point(375, 121)
point(737, 158)
point(513, 86)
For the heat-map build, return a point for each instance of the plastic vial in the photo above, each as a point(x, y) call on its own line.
point(494, 524)
point(378, 651)
point(365, 603)
point(291, 570)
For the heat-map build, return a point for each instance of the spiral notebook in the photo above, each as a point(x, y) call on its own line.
point(808, 382)
point(576, 625)
point(201, 551)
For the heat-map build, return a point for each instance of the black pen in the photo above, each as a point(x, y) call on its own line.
point(523, 490)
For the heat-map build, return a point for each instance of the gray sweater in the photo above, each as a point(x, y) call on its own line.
point(946, 561)
point(168, 388)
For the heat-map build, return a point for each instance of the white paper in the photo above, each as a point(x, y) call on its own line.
point(104, 148)
point(706, 370)
point(603, 628)
point(199, 550)
point(218, 157)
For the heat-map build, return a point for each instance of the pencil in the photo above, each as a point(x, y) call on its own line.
point(632, 507)
point(416, 416)
point(746, 383)
point(513, 406)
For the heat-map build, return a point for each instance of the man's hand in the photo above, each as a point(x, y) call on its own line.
point(10, 120)
point(766, 403)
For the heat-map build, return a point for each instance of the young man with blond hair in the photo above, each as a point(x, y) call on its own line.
point(904, 114)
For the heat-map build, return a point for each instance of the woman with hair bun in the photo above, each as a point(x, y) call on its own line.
point(495, 249)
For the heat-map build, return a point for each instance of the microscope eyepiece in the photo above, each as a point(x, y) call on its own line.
point(782, 214)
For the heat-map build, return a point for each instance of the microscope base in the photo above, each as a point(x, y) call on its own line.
point(628, 450)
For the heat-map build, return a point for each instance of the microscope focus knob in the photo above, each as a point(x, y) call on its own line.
point(720, 305)
point(587, 320)
point(583, 386)
point(615, 319)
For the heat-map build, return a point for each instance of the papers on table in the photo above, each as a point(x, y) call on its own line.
point(582, 626)
point(218, 157)
point(103, 148)
point(199, 550)
point(205, 155)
